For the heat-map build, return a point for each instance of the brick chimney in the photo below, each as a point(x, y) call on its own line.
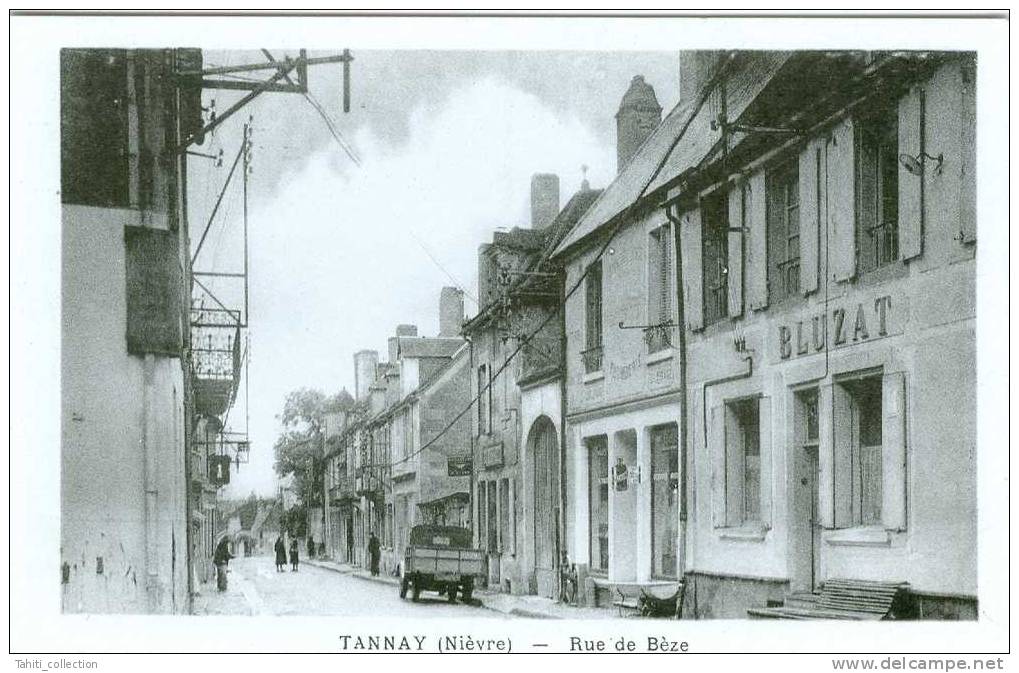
point(544, 199)
point(366, 364)
point(451, 311)
point(639, 114)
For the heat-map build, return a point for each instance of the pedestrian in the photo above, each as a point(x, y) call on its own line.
point(293, 555)
point(311, 547)
point(221, 558)
point(281, 554)
point(373, 553)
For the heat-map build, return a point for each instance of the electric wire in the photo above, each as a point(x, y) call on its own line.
point(332, 129)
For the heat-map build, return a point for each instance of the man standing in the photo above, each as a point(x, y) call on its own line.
point(281, 554)
point(222, 558)
point(311, 546)
point(373, 553)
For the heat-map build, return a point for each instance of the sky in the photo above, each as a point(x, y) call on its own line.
point(340, 253)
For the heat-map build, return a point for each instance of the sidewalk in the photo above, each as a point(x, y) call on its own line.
point(535, 607)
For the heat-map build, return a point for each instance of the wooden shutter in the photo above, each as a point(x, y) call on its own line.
point(842, 457)
point(910, 207)
point(666, 285)
point(734, 472)
point(841, 199)
point(764, 422)
point(968, 154)
point(810, 216)
point(716, 450)
point(153, 282)
point(825, 458)
point(693, 279)
point(893, 451)
point(736, 233)
point(757, 259)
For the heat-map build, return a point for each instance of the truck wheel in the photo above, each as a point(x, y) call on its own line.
point(415, 591)
point(451, 593)
point(403, 587)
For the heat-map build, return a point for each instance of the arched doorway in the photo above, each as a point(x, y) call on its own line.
point(544, 448)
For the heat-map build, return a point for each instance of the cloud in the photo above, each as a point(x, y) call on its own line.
point(335, 264)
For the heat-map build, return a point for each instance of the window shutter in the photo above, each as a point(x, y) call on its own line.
point(716, 450)
point(757, 260)
point(968, 156)
point(841, 195)
point(736, 250)
point(893, 451)
point(825, 457)
point(810, 216)
point(910, 208)
point(734, 459)
point(842, 453)
point(764, 423)
point(665, 283)
point(654, 278)
point(693, 280)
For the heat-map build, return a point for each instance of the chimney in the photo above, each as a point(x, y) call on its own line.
point(544, 199)
point(407, 330)
point(451, 311)
point(639, 114)
point(365, 366)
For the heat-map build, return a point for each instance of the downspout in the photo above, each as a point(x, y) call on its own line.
point(149, 484)
point(470, 493)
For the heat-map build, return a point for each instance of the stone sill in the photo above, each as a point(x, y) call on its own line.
point(748, 533)
point(594, 376)
point(859, 537)
point(658, 356)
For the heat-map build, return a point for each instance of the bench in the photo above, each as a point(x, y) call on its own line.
point(844, 599)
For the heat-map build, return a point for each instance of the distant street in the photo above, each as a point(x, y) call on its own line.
point(256, 588)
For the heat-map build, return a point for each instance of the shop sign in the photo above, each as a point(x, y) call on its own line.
point(491, 455)
point(841, 326)
point(459, 467)
point(219, 470)
point(620, 475)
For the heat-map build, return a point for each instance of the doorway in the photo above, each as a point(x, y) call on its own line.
point(806, 527)
point(545, 449)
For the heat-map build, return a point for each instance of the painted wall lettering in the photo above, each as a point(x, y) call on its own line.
point(865, 321)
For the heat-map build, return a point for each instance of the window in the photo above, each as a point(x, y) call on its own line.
point(484, 401)
point(863, 402)
point(715, 252)
point(660, 289)
point(743, 462)
point(592, 354)
point(664, 500)
point(877, 191)
point(784, 231)
point(598, 496)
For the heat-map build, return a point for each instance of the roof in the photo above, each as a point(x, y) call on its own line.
point(428, 347)
point(688, 127)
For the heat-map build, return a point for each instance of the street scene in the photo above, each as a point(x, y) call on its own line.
point(644, 335)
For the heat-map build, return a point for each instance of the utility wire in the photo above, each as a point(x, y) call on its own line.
point(443, 269)
point(617, 226)
point(332, 129)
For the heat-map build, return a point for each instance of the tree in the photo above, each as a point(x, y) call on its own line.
point(299, 448)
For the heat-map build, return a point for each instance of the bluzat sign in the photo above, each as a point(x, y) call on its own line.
point(840, 326)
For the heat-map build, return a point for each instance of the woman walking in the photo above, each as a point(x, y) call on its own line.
point(293, 555)
point(281, 554)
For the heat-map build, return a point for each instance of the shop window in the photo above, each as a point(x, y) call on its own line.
point(592, 354)
point(664, 500)
point(859, 410)
point(783, 190)
point(660, 289)
point(743, 462)
point(715, 255)
point(598, 500)
point(877, 191)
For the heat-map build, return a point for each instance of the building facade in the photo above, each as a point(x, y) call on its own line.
point(823, 329)
point(125, 392)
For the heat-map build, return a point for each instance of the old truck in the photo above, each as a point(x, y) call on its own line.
point(441, 558)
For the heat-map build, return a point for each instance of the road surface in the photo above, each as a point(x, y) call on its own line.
point(255, 588)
